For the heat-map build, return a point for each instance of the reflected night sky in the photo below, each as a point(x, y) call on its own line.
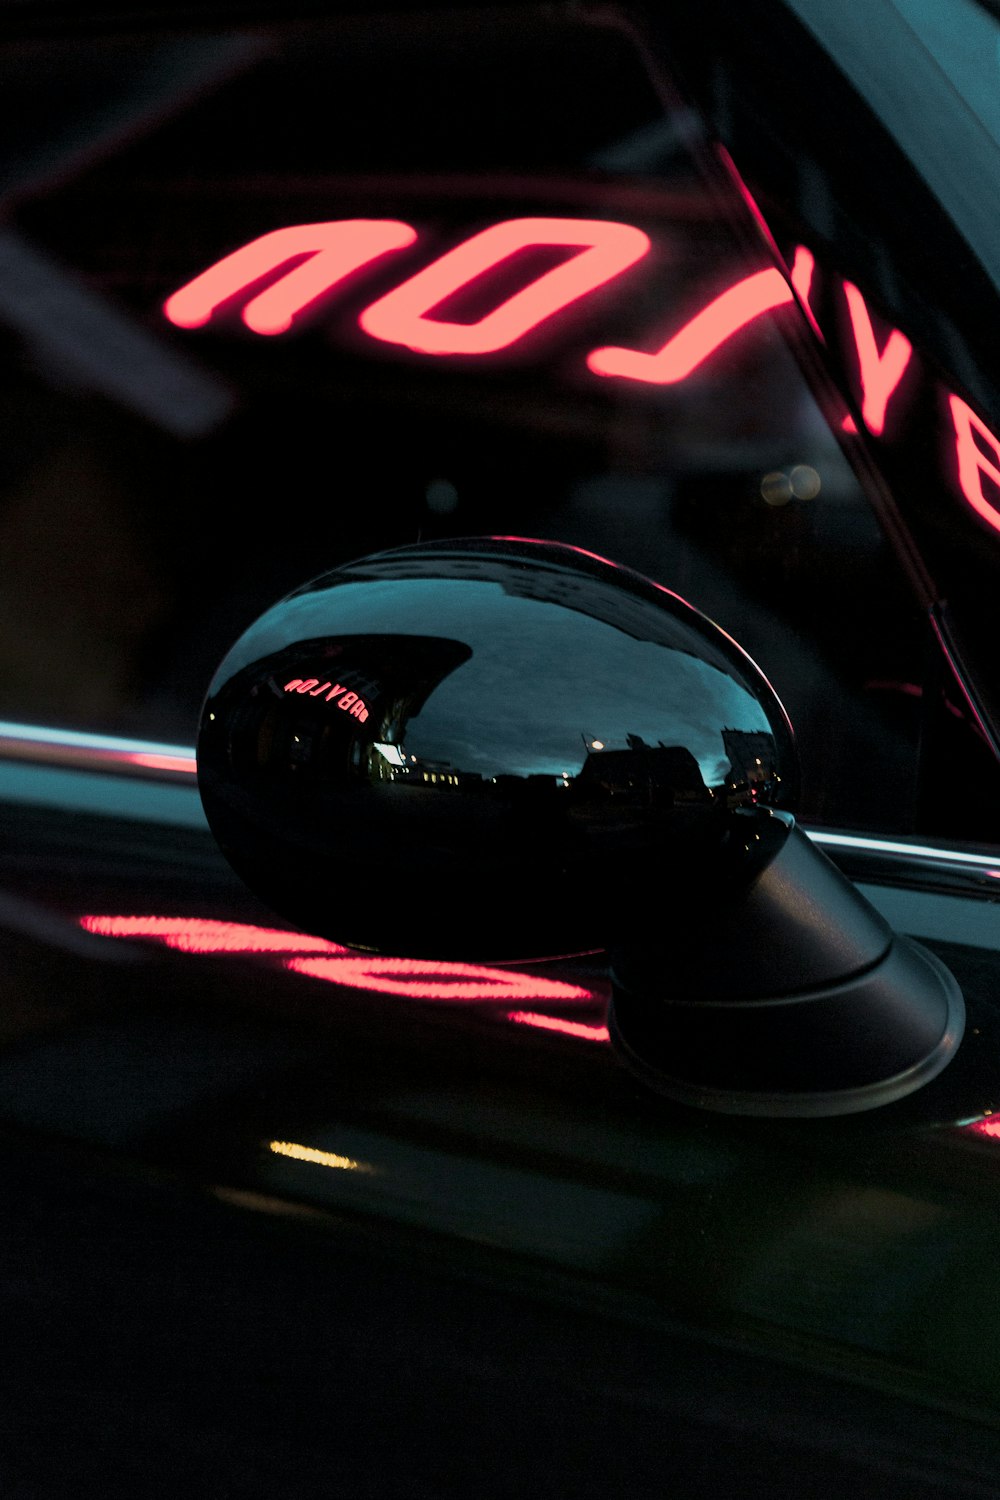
point(583, 680)
point(559, 678)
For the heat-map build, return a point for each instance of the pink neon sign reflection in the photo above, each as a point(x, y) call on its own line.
point(707, 331)
point(312, 259)
point(348, 701)
point(880, 372)
point(559, 1024)
point(285, 273)
point(403, 315)
point(423, 980)
point(317, 958)
point(209, 935)
point(734, 309)
point(975, 465)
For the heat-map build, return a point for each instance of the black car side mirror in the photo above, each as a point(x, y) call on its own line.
point(499, 750)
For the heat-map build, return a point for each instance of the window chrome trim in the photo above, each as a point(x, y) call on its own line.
point(870, 844)
point(96, 752)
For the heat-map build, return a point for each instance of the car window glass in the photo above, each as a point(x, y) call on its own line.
point(168, 474)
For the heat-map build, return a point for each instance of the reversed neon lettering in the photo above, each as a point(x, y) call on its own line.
point(802, 273)
point(436, 980)
point(306, 261)
point(973, 464)
point(415, 978)
point(402, 316)
point(559, 1023)
point(803, 266)
point(313, 258)
point(209, 935)
point(707, 331)
point(350, 702)
point(880, 373)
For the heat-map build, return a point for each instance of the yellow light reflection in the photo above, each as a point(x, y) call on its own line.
point(319, 1158)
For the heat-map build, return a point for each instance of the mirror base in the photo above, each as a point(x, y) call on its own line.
point(868, 1041)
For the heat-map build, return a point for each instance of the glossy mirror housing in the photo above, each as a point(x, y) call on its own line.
point(490, 748)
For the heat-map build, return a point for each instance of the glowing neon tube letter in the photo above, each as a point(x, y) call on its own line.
point(402, 316)
point(803, 266)
point(880, 373)
point(312, 258)
point(438, 980)
point(709, 329)
point(973, 463)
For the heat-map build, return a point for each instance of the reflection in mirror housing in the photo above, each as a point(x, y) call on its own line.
point(557, 755)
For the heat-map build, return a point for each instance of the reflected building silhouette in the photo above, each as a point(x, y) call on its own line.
point(753, 763)
point(644, 776)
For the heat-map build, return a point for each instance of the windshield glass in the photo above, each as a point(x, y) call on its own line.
point(278, 296)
